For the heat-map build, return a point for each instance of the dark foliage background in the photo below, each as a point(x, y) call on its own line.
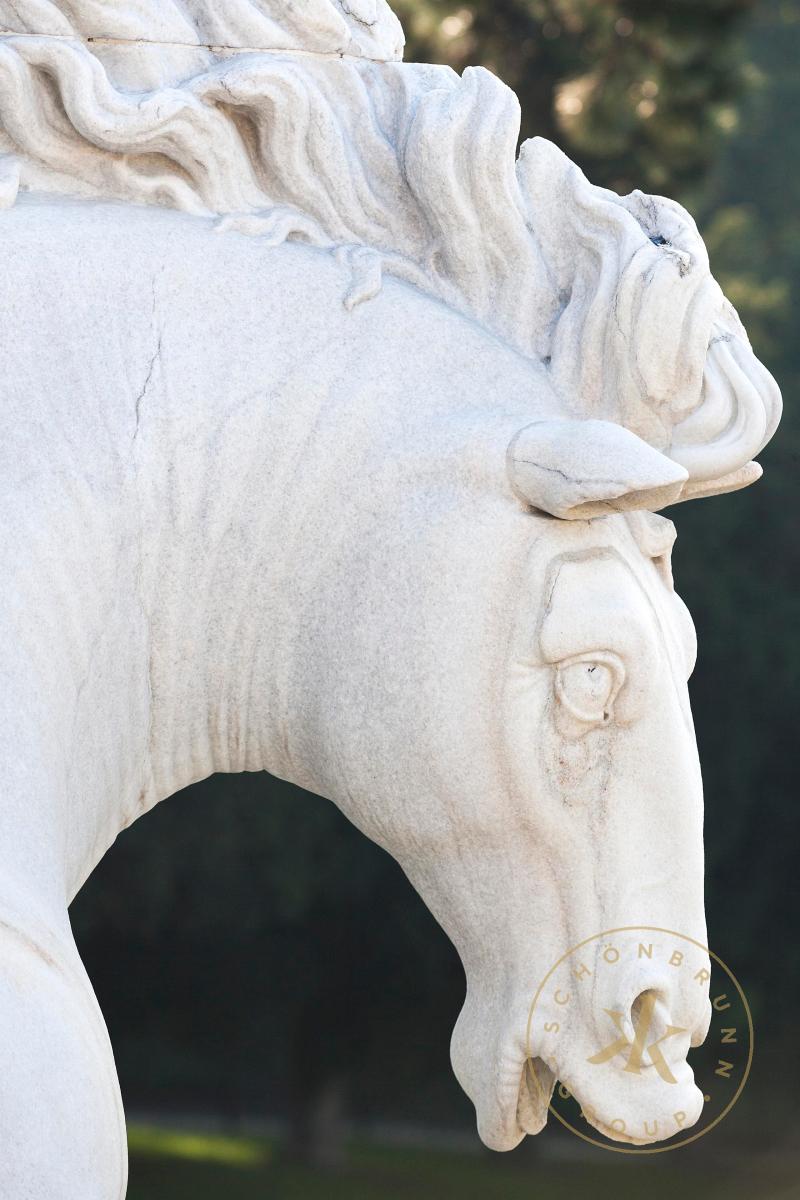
point(253, 954)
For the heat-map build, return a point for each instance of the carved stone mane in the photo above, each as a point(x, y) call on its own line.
point(403, 169)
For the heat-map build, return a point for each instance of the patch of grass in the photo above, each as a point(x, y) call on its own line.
point(167, 1165)
point(148, 1141)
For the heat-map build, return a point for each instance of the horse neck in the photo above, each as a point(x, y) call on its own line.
point(204, 436)
point(149, 605)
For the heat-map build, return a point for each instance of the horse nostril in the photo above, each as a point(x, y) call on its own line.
point(643, 1012)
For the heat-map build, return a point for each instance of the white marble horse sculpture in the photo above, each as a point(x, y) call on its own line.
point(331, 438)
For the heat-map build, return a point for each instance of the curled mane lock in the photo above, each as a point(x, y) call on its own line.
point(406, 170)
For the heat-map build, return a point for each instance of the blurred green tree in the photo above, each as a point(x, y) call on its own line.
point(254, 953)
point(739, 559)
point(637, 91)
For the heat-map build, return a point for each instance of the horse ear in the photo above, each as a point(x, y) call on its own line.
point(578, 469)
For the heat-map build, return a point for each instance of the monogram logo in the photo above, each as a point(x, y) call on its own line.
point(638, 1045)
point(649, 1116)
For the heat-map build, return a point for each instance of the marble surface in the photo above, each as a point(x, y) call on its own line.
point(333, 439)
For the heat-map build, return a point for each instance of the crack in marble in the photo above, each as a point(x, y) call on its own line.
point(214, 47)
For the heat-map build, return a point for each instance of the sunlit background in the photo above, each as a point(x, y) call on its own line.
point(279, 999)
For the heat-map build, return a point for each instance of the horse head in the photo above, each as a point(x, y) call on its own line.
point(505, 710)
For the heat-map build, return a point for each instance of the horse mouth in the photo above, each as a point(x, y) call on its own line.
point(535, 1090)
point(655, 1119)
point(512, 1087)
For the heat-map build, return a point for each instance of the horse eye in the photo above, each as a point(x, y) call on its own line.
point(587, 689)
